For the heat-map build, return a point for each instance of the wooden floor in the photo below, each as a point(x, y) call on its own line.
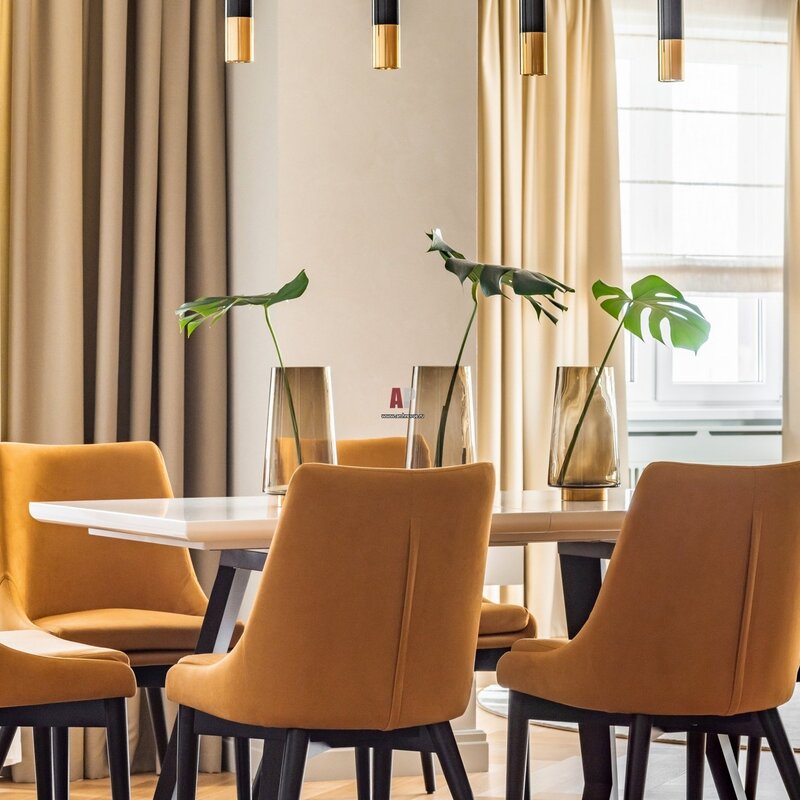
point(556, 775)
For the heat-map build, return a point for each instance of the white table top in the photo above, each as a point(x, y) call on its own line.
point(230, 523)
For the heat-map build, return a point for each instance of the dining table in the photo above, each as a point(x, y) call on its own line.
point(241, 530)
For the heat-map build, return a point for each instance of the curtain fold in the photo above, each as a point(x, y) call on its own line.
point(548, 199)
point(791, 287)
point(117, 215)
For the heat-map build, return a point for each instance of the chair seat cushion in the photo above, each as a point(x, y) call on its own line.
point(502, 624)
point(40, 643)
point(127, 629)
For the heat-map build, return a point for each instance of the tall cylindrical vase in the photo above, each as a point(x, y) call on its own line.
point(583, 466)
point(299, 423)
point(436, 439)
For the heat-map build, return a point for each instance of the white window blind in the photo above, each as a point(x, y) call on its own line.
point(702, 162)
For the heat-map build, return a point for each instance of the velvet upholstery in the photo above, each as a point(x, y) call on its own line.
point(367, 612)
point(699, 613)
point(501, 623)
point(139, 598)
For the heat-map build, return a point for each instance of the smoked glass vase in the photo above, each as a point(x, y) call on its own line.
point(313, 412)
point(586, 465)
point(434, 440)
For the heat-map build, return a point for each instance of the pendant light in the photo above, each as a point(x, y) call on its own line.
point(239, 32)
point(386, 34)
point(532, 37)
point(670, 40)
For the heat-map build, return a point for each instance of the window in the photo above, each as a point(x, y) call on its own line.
point(702, 174)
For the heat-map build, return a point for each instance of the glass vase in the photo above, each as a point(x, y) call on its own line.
point(586, 468)
point(432, 440)
point(315, 441)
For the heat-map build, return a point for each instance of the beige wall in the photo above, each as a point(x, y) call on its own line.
point(341, 169)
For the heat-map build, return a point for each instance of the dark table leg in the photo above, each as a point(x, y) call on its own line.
point(215, 637)
point(582, 577)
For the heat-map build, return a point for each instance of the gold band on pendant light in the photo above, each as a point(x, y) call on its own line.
point(239, 32)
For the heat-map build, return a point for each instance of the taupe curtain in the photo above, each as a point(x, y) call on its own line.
point(548, 200)
point(791, 291)
point(117, 215)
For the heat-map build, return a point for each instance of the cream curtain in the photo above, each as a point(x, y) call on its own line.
point(548, 200)
point(117, 215)
point(791, 289)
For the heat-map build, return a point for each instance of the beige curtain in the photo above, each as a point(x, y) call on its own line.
point(791, 296)
point(117, 215)
point(548, 200)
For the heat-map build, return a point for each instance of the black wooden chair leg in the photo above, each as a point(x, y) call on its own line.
point(61, 763)
point(294, 764)
point(781, 751)
point(43, 763)
point(452, 766)
point(527, 789)
point(695, 764)
point(7, 734)
point(516, 750)
point(721, 769)
point(428, 772)
point(158, 721)
point(638, 754)
point(117, 747)
point(363, 773)
point(269, 777)
point(381, 773)
point(241, 754)
point(188, 754)
point(753, 763)
point(597, 760)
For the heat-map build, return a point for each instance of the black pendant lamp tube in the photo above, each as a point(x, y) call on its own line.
point(670, 40)
point(239, 32)
point(532, 37)
point(386, 34)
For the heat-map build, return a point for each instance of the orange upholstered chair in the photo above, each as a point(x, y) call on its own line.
point(363, 629)
point(141, 599)
point(696, 627)
point(501, 624)
point(51, 685)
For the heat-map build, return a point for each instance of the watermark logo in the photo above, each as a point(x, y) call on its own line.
point(399, 401)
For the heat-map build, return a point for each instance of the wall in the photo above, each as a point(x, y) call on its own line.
point(341, 169)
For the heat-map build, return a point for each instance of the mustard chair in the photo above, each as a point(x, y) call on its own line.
point(501, 624)
point(52, 685)
point(363, 629)
point(141, 599)
point(696, 627)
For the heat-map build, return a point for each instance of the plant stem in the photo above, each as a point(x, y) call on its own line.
point(439, 457)
point(287, 389)
point(568, 457)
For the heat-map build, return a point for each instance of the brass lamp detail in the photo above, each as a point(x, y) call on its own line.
point(239, 32)
point(386, 34)
point(532, 37)
point(670, 40)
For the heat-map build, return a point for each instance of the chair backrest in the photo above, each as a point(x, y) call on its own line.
point(385, 452)
point(57, 569)
point(700, 609)
point(367, 613)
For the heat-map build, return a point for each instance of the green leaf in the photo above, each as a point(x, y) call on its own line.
point(193, 314)
point(492, 278)
point(663, 305)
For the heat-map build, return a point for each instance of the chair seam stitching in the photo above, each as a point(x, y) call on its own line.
point(405, 623)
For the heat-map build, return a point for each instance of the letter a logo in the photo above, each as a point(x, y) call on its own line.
point(397, 398)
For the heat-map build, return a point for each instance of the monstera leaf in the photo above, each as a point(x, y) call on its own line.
point(662, 303)
point(491, 278)
point(210, 309)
